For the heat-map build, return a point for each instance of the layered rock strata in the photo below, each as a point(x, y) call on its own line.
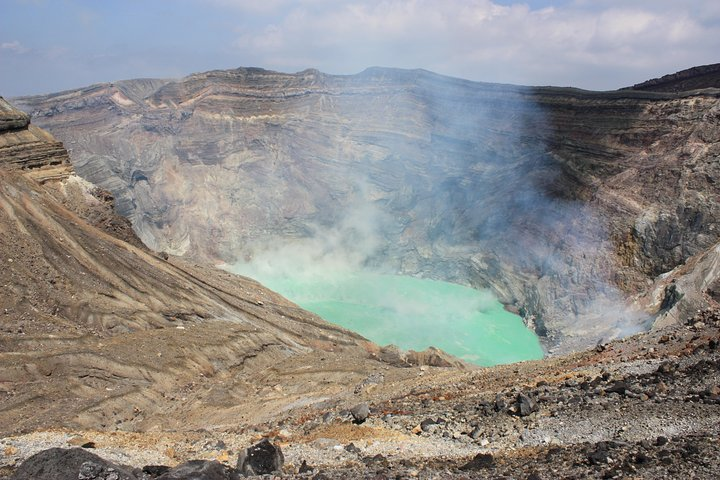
point(25, 146)
point(99, 333)
point(154, 361)
point(568, 204)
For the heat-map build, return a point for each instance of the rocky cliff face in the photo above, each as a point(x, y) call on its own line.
point(566, 203)
point(99, 333)
point(30, 148)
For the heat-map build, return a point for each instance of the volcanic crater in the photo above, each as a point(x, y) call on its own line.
point(593, 215)
point(572, 207)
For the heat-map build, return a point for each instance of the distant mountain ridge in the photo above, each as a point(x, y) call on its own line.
point(695, 78)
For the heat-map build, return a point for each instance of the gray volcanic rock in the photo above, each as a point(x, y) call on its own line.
point(525, 405)
point(360, 412)
point(260, 459)
point(200, 470)
point(564, 202)
point(65, 464)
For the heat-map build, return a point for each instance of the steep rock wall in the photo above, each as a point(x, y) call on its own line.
point(564, 202)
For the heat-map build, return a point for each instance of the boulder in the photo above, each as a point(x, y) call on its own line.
point(480, 461)
point(618, 387)
point(72, 463)
point(524, 405)
point(260, 459)
point(599, 455)
point(427, 423)
point(360, 412)
point(95, 471)
point(200, 470)
point(500, 403)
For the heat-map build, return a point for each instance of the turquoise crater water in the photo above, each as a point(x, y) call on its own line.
point(412, 313)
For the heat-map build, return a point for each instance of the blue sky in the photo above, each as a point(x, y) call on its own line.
point(51, 45)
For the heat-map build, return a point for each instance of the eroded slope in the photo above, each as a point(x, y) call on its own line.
point(101, 333)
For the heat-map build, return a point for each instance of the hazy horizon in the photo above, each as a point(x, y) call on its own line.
point(48, 46)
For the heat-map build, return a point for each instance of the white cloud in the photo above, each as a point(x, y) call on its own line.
point(483, 40)
point(14, 46)
point(597, 44)
point(266, 6)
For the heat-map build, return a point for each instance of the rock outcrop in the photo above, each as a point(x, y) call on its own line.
point(568, 204)
point(30, 148)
